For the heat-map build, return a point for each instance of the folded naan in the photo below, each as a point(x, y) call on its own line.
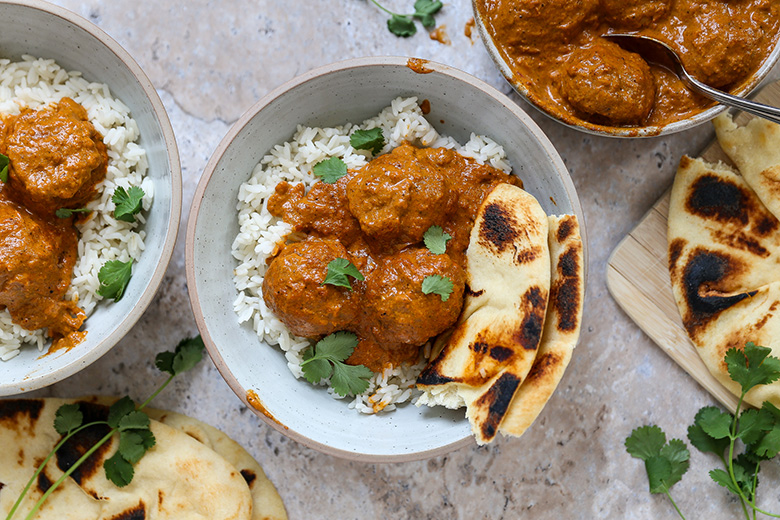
point(493, 346)
point(179, 478)
point(561, 326)
point(724, 264)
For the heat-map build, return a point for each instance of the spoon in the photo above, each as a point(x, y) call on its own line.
point(657, 52)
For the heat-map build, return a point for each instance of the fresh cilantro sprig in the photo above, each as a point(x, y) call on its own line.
point(373, 140)
point(326, 360)
point(717, 432)
point(68, 212)
point(124, 418)
point(127, 203)
point(437, 284)
point(403, 24)
point(330, 170)
point(4, 163)
point(338, 271)
point(436, 239)
point(114, 277)
point(665, 462)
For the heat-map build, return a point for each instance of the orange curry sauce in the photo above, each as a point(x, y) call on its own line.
point(557, 53)
point(376, 217)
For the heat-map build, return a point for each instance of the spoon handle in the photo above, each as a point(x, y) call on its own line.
point(758, 109)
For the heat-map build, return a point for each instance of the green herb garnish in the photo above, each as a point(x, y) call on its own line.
point(435, 240)
point(4, 162)
point(715, 431)
point(114, 277)
point(338, 271)
point(330, 170)
point(127, 202)
point(437, 284)
point(124, 418)
point(403, 24)
point(67, 212)
point(326, 360)
point(372, 140)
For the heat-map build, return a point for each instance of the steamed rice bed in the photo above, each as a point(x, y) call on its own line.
point(33, 83)
point(260, 232)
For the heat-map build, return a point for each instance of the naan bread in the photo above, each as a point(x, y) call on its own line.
point(179, 478)
point(493, 346)
point(755, 149)
point(561, 326)
point(724, 262)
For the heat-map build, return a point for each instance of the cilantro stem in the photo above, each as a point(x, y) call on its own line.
point(156, 393)
point(391, 13)
point(668, 494)
point(43, 465)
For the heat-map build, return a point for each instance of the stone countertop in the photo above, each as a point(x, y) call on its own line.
point(210, 61)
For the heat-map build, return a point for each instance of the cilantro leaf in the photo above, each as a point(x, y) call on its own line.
point(118, 410)
point(114, 277)
point(436, 239)
point(338, 270)
point(135, 420)
point(702, 440)
point(184, 357)
point(659, 470)
point(330, 170)
point(128, 203)
point(753, 424)
point(315, 369)
point(349, 379)
point(715, 423)
point(751, 367)
point(4, 162)
point(131, 446)
point(769, 446)
point(402, 26)
point(118, 470)
point(372, 140)
point(326, 359)
point(722, 478)
point(68, 212)
point(645, 442)
point(678, 456)
point(422, 7)
point(437, 284)
point(744, 468)
point(67, 418)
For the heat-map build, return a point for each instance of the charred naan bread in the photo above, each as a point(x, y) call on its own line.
point(493, 345)
point(755, 149)
point(724, 262)
point(179, 478)
point(561, 326)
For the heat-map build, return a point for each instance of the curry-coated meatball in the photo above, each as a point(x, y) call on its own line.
point(723, 44)
point(398, 196)
point(36, 264)
point(57, 157)
point(609, 83)
point(293, 289)
point(395, 304)
point(635, 14)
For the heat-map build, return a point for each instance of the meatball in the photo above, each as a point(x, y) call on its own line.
point(396, 308)
point(398, 196)
point(635, 14)
point(36, 264)
point(608, 83)
point(57, 157)
point(293, 289)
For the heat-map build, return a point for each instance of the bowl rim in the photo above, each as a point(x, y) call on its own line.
point(92, 355)
point(616, 131)
point(238, 127)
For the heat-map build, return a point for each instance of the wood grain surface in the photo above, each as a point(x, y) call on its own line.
point(638, 278)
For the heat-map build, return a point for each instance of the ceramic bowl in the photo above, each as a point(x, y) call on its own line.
point(615, 131)
point(350, 91)
point(43, 30)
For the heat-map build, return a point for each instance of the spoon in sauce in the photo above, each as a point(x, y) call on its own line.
point(658, 53)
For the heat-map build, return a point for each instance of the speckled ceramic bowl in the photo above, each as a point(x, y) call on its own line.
point(617, 131)
point(350, 91)
point(43, 30)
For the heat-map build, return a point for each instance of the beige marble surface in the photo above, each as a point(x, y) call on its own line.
point(210, 61)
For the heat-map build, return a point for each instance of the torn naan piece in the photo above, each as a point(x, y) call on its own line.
point(178, 478)
point(755, 149)
point(561, 326)
point(724, 265)
point(493, 345)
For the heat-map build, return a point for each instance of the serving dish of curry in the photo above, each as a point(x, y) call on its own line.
point(558, 58)
point(376, 218)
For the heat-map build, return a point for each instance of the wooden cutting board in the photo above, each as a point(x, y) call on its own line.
point(638, 279)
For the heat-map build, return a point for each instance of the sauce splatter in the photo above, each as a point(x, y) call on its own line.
point(440, 35)
point(418, 66)
point(469, 28)
point(255, 402)
point(425, 106)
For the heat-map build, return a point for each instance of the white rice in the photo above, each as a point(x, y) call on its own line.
point(33, 83)
point(260, 232)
